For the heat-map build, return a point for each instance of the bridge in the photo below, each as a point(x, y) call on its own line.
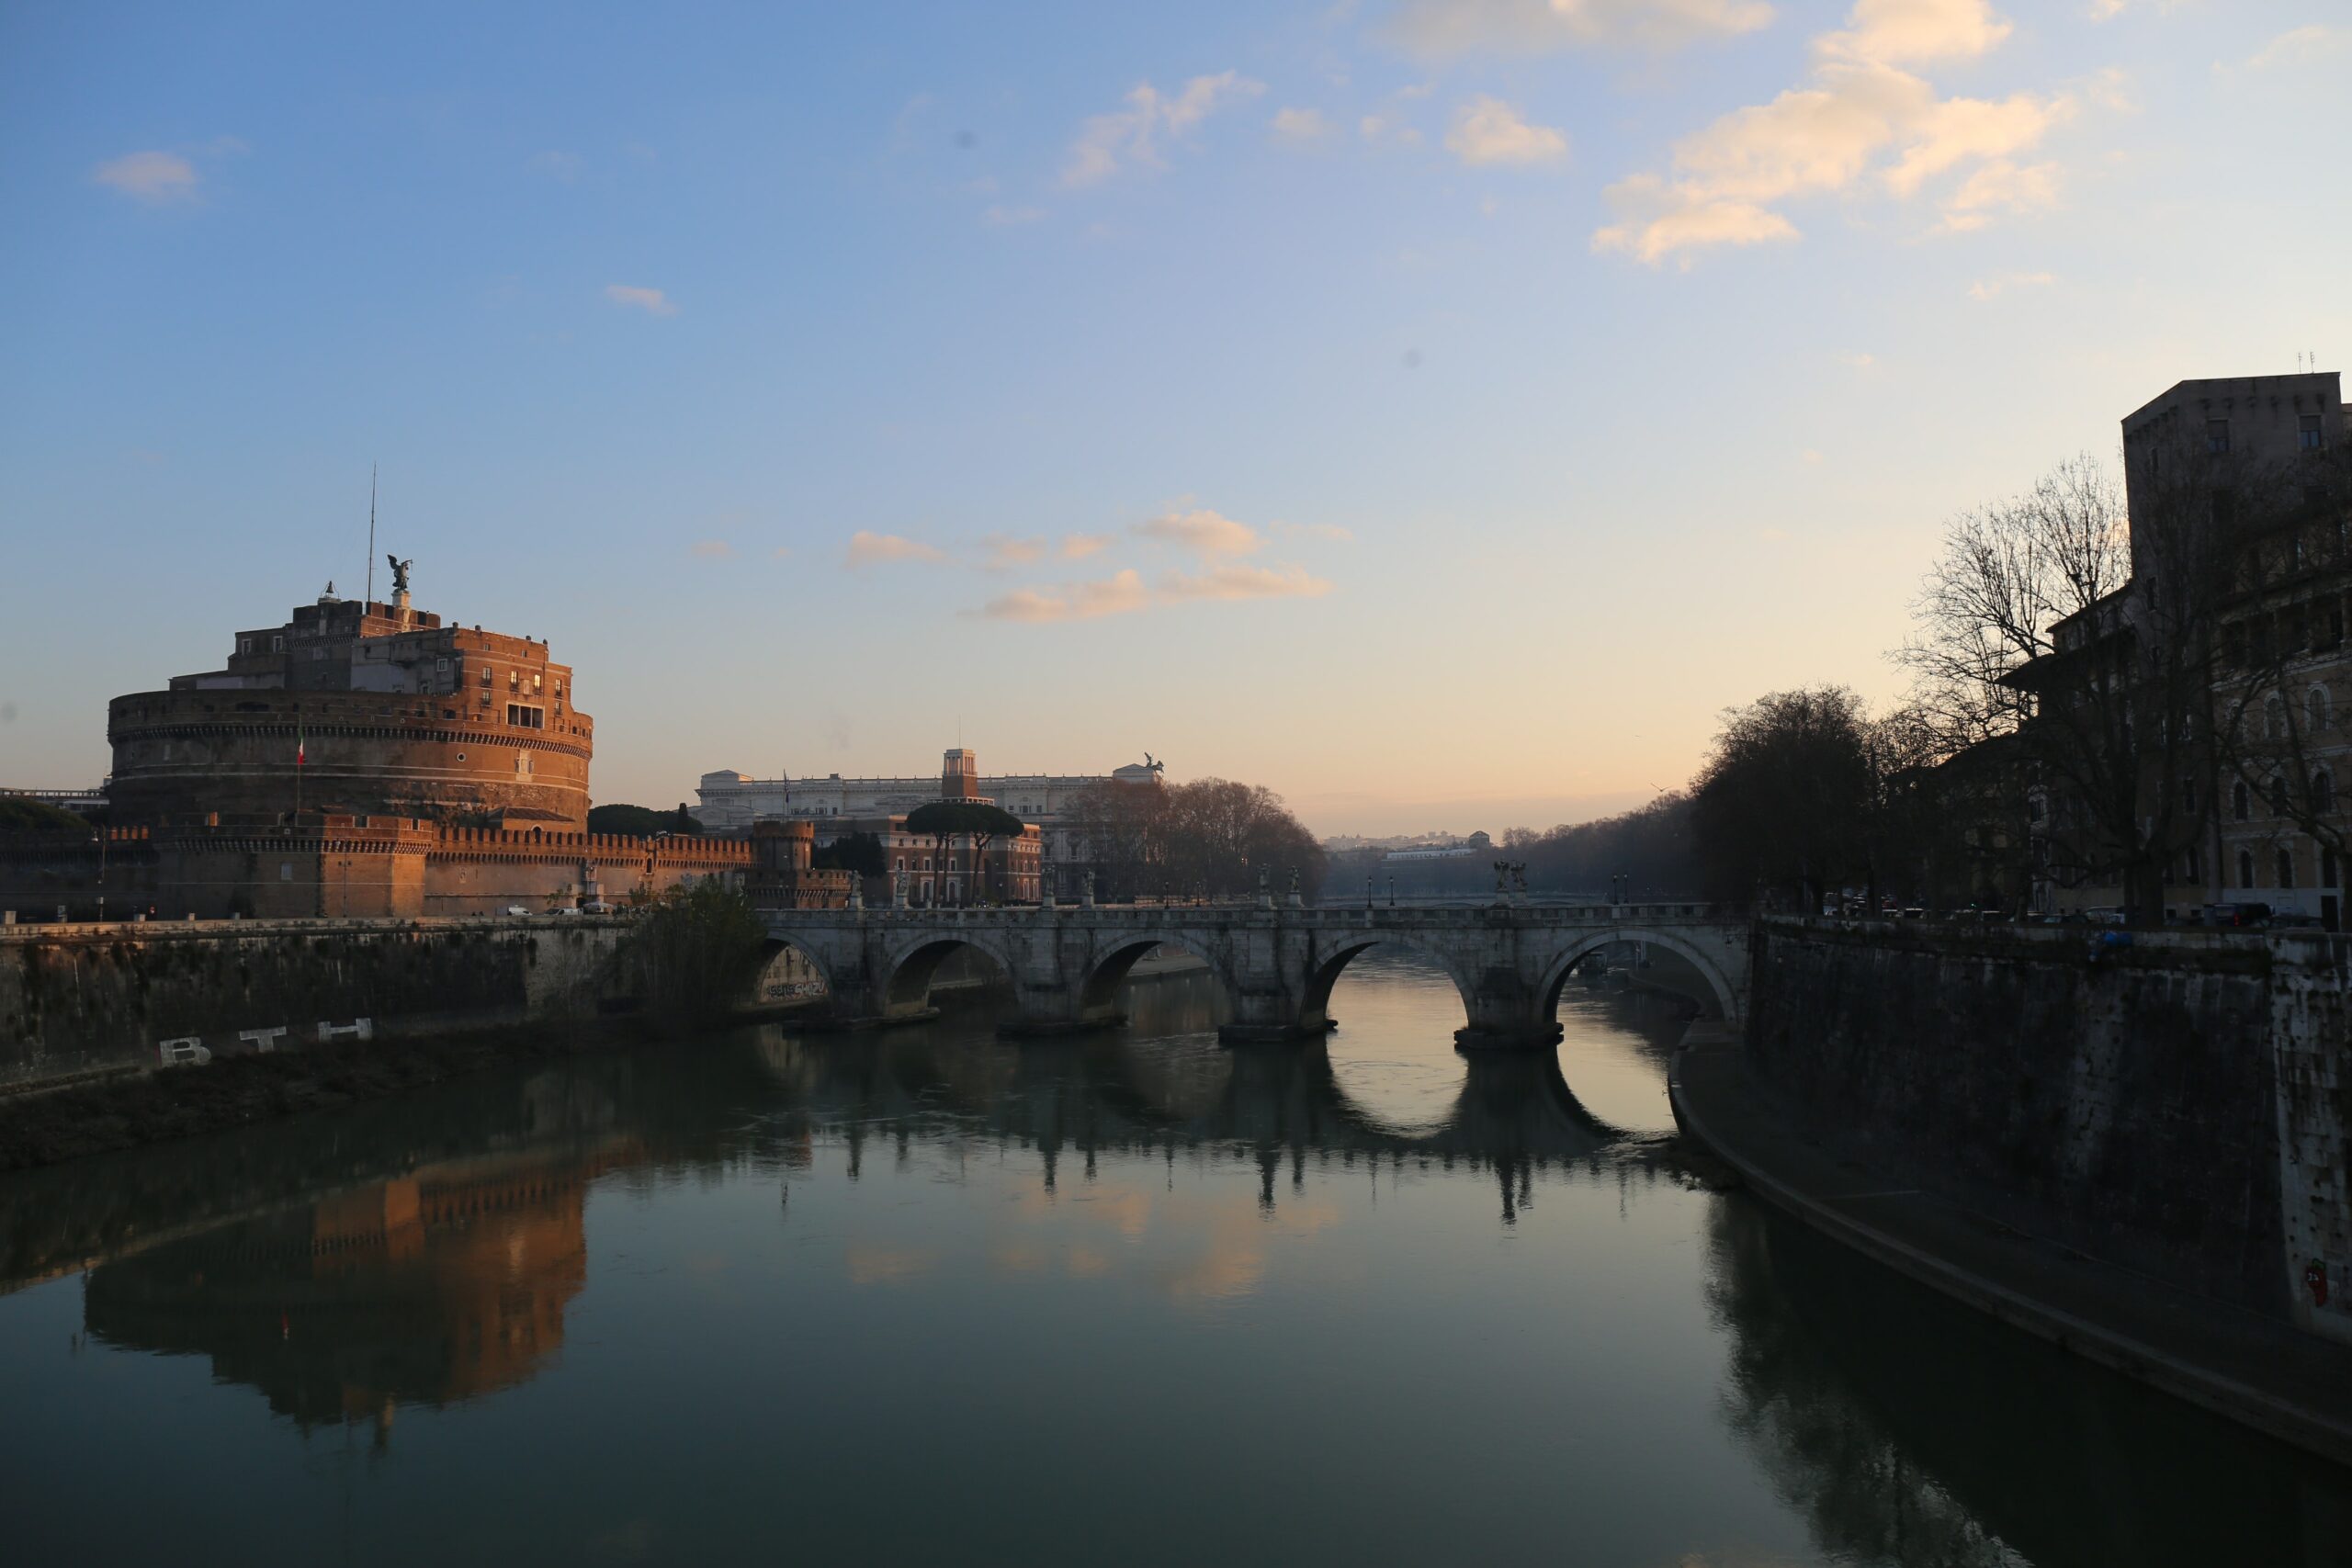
point(1275, 962)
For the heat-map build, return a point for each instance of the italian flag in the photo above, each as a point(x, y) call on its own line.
point(298, 744)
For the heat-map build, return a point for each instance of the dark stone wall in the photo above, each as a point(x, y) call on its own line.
point(2121, 1096)
point(74, 1002)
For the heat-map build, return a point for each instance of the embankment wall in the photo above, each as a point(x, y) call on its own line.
point(75, 999)
point(2175, 1101)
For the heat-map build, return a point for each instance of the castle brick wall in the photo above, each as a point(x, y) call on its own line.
point(443, 757)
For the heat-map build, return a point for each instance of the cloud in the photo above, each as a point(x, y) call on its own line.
point(1125, 592)
point(1117, 595)
point(562, 167)
point(1108, 142)
point(652, 301)
point(2297, 46)
point(1959, 130)
point(874, 550)
point(1077, 546)
point(1654, 221)
point(1488, 131)
point(1206, 533)
point(999, 551)
point(157, 178)
point(1002, 217)
point(1536, 27)
point(1993, 287)
point(1913, 32)
point(1858, 115)
point(1997, 188)
point(1300, 127)
point(710, 549)
point(1239, 581)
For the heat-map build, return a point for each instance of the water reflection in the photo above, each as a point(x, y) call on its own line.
point(1452, 1279)
point(1910, 1429)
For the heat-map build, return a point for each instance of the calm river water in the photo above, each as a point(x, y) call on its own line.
point(928, 1296)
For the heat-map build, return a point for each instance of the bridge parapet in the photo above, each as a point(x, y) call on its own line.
point(1276, 965)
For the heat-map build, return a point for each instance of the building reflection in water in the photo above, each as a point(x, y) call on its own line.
point(432, 1288)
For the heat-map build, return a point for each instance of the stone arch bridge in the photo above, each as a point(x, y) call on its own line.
point(1276, 965)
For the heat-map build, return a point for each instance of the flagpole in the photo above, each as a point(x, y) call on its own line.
point(297, 766)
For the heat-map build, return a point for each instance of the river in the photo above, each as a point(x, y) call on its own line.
point(926, 1295)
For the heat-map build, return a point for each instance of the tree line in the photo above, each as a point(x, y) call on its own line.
point(1209, 838)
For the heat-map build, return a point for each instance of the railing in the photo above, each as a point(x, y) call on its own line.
point(1174, 911)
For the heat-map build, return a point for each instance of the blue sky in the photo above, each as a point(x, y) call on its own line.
point(1438, 412)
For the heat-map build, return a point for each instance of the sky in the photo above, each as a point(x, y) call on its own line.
point(1436, 411)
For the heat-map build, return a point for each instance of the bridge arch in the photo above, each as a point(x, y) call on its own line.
point(1555, 975)
point(908, 965)
point(1112, 959)
point(779, 973)
point(1332, 954)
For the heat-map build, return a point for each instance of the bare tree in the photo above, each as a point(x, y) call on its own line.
point(2032, 625)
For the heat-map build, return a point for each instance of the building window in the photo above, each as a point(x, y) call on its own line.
point(2241, 803)
point(2276, 794)
point(2285, 868)
point(521, 716)
point(440, 670)
point(2307, 432)
point(514, 680)
point(2245, 868)
point(2189, 795)
point(2328, 872)
point(485, 677)
point(2323, 793)
point(2318, 712)
point(286, 871)
point(536, 679)
point(2217, 437)
point(244, 645)
point(277, 644)
point(2191, 871)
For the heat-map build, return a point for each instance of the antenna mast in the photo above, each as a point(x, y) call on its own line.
point(371, 533)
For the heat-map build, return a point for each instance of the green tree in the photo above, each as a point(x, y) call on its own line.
point(698, 951)
point(640, 821)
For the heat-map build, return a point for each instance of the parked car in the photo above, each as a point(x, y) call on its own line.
point(516, 909)
point(597, 907)
point(2237, 915)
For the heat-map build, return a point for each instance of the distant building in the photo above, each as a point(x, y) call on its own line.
point(731, 801)
point(81, 801)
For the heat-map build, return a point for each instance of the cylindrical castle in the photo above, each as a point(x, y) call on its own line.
point(370, 708)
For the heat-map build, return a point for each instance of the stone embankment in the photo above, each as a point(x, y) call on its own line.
point(78, 1001)
point(2132, 1143)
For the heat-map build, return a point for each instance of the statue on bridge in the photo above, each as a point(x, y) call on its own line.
point(400, 572)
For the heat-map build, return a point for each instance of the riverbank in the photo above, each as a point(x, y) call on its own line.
point(2227, 1359)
